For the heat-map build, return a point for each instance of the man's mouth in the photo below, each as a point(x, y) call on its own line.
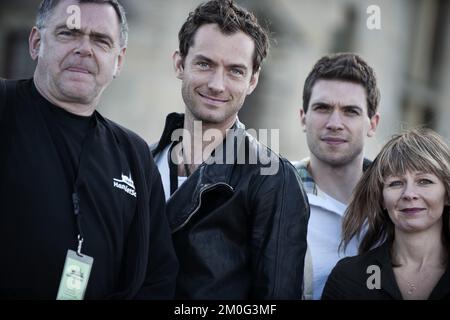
point(78, 70)
point(333, 140)
point(213, 100)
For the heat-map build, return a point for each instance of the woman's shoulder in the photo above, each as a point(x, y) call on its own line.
point(349, 278)
point(355, 264)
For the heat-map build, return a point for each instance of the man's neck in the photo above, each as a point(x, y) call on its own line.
point(78, 109)
point(336, 181)
point(200, 139)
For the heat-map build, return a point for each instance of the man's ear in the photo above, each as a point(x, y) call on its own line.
point(303, 119)
point(119, 62)
point(373, 124)
point(34, 42)
point(178, 64)
point(253, 81)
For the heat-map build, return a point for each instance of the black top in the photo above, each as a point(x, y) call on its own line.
point(121, 200)
point(73, 130)
point(348, 280)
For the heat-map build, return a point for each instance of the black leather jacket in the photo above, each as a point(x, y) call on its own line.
point(238, 234)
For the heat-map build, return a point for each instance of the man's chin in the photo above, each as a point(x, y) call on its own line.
point(336, 159)
point(209, 117)
point(78, 90)
point(79, 95)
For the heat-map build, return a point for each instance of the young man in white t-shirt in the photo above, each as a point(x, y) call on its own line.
point(340, 101)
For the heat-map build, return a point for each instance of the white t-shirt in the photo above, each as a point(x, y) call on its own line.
point(162, 162)
point(324, 236)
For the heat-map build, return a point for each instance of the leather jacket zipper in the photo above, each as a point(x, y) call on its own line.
point(205, 188)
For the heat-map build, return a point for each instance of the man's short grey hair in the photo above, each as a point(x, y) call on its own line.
point(46, 8)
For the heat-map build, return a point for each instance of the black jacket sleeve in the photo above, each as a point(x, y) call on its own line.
point(280, 219)
point(162, 262)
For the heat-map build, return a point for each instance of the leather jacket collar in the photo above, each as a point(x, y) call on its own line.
point(211, 174)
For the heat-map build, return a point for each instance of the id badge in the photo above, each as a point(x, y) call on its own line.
point(75, 276)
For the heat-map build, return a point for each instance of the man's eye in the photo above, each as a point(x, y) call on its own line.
point(203, 65)
point(321, 108)
point(65, 33)
point(237, 72)
point(352, 112)
point(103, 42)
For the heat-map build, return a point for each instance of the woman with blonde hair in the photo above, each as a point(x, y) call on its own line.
point(400, 208)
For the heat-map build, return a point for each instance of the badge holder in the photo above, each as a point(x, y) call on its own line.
point(75, 276)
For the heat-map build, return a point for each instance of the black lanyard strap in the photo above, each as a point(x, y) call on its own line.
point(76, 211)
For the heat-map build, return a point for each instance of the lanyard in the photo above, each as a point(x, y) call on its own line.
point(72, 173)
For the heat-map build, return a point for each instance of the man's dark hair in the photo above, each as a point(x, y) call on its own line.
point(347, 67)
point(230, 18)
point(46, 8)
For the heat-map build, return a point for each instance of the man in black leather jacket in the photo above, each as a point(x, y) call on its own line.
point(237, 211)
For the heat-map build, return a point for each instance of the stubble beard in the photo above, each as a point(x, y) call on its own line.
point(336, 160)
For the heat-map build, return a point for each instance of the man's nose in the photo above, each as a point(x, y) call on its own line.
point(84, 47)
point(335, 121)
point(216, 81)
